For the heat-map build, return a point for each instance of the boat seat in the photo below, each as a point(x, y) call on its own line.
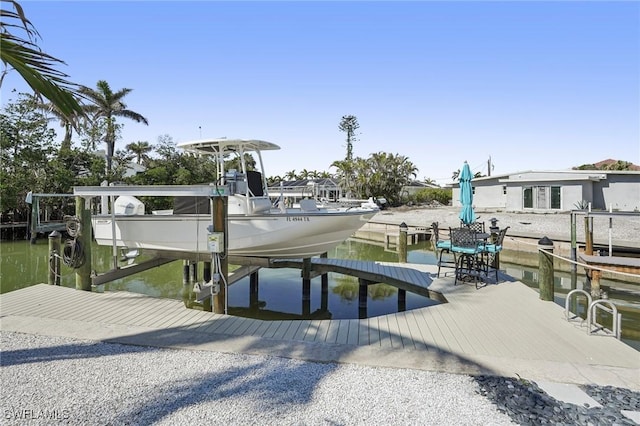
point(308, 205)
point(260, 204)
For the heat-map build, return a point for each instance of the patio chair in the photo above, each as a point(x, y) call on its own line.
point(475, 226)
point(441, 247)
point(467, 251)
point(492, 250)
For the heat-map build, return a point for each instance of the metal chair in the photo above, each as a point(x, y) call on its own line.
point(441, 247)
point(492, 251)
point(475, 226)
point(467, 251)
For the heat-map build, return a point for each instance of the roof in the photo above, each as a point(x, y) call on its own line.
point(224, 145)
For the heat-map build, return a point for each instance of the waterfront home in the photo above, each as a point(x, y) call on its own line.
point(563, 190)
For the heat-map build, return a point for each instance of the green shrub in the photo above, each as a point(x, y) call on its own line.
point(427, 195)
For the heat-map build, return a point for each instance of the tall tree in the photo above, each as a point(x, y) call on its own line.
point(67, 122)
point(140, 150)
point(349, 125)
point(26, 150)
point(38, 69)
point(107, 105)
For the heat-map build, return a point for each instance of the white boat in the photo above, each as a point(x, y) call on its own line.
point(256, 225)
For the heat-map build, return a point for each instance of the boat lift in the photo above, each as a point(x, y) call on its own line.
point(219, 244)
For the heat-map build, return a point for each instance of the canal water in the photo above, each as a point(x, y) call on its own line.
point(280, 290)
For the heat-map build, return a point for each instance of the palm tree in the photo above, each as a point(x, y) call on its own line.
point(36, 67)
point(68, 122)
point(140, 150)
point(291, 175)
point(108, 105)
point(429, 181)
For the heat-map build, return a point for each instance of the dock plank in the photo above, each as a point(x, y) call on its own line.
point(506, 321)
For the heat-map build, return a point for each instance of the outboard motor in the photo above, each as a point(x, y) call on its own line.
point(127, 205)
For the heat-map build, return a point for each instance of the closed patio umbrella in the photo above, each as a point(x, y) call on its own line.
point(467, 215)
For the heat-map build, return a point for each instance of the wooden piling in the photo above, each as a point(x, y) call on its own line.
point(545, 269)
point(402, 300)
point(55, 239)
point(207, 304)
point(186, 288)
point(402, 243)
point(254, 291)
point(574, 243)
point(596, 291)
point(588, 235)
point(35, 213)
point(306, 297)
point(83, 272)
point(219, 218)
point(363, 287)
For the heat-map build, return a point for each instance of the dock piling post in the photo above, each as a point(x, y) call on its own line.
point(219, 218)
point(83, 272)
point(596, 291)
point(574, 244)
point(35, 214)
point(402, 300)
point(254, 290)
point(306, 297)
point(55, 239)
point(186, 289)
point(588, 235)
point(545, 269)
point(324, 288)
point(402, 243)
point(362, 297)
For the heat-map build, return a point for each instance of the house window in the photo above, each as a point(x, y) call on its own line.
point(527, 196)
point(555, 197)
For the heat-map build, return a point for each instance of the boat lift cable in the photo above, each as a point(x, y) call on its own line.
point(73, 252)
point(218, 268)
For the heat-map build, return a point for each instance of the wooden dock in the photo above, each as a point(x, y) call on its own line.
point(499, 329)
point(394, 274)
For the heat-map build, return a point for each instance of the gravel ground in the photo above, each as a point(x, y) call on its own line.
point(49, 380)
point(93, 383)
point(553, 225)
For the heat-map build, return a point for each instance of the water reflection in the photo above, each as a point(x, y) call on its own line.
point(280, 294)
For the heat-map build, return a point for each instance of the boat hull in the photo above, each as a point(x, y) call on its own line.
point(271, 235)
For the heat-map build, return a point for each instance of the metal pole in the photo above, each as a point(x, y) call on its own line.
point(574, 243)
point(610, 226)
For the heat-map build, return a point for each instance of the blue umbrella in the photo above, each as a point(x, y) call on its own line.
point(467, 215)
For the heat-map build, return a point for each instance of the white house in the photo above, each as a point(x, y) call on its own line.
point(562, 190)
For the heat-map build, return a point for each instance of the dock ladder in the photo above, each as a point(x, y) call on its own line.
point(593, 326)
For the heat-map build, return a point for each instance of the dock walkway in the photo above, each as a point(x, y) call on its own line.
point(395, 274)
point(501, 329)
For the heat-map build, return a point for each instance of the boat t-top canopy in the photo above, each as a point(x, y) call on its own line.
point(224, 145)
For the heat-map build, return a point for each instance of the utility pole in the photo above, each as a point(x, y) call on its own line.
point(489, 166)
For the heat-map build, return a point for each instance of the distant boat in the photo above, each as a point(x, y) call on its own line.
point(256, 226)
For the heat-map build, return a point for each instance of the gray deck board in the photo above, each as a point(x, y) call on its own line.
point(506, 321)
point(302, 330)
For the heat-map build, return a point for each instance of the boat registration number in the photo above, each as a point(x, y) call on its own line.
point(298, 219)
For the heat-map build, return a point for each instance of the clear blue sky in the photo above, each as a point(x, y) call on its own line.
point(534, 85)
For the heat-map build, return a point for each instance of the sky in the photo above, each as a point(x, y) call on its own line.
point(530, 85)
